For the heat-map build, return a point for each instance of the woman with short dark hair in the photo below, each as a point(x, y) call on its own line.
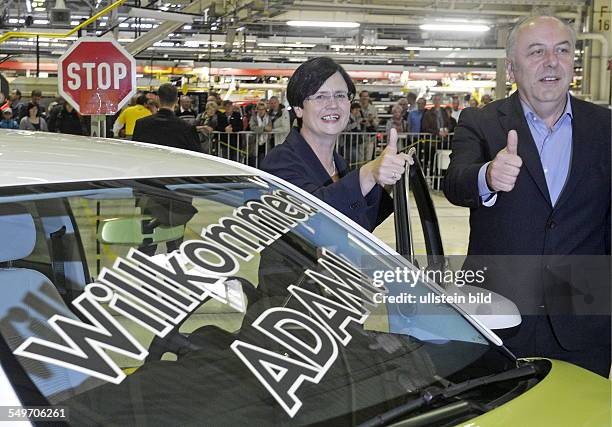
point(32, 121)
point(320, 93)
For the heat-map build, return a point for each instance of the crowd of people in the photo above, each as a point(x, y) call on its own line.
point(247, 132)
point(268, 119)
point(410, 114)
point(58, 116)
point(217, 125)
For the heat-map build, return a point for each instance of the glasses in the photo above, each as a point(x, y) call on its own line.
point(325, 98)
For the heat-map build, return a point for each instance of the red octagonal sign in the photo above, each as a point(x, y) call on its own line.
point(97, 76)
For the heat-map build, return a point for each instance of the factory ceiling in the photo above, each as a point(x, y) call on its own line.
point(402, 32)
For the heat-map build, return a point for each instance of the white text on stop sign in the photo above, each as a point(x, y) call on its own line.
point(103, 74)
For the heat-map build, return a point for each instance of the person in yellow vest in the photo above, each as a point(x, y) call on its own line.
point(127, 118)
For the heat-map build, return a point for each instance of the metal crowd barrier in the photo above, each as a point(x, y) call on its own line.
point(357, 148)
point(433, 152)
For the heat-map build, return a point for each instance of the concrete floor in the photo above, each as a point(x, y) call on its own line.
point(454, 227)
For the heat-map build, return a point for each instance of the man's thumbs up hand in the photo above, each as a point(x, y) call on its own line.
point(512, 144)
point(505, 167)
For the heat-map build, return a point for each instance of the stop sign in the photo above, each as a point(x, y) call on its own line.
point(97, 76)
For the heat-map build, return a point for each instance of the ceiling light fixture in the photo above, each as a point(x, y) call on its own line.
point(419, 48)
point(469, 28)
point(326, 24)
point(293, 45)
point(348, 46)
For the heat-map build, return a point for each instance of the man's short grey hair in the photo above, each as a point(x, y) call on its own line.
point(511, 40)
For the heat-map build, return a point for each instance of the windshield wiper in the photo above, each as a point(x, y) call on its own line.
point(436, 394)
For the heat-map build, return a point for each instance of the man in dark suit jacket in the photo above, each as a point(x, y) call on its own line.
point(535, 171)
point(435, 120)
point(230, 121)
point(163, 127)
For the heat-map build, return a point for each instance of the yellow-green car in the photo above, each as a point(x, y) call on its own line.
point(566, 396)
point(142, 285)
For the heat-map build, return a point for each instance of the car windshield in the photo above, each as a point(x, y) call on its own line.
point(214, 300)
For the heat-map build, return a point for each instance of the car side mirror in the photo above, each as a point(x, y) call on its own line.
point(498, 312)
point(138, 231)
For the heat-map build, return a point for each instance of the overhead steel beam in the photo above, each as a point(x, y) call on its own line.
point(161, 32)
point(160, 15)
point(51, 34)
point(437, 6)
point(408, 8)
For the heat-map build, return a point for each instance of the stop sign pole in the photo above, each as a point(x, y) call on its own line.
point(97, 76)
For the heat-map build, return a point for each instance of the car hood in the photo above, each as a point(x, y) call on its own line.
point(567, 396)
